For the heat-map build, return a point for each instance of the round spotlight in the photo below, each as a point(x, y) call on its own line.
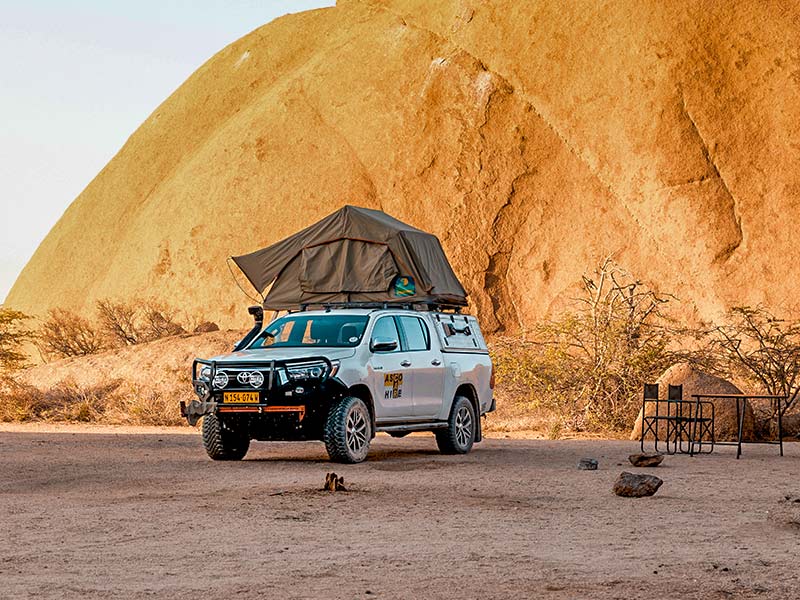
point(315, 372)
point(256, 379)
point(220, 379)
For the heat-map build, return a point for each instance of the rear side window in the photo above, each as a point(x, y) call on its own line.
point(416, 333)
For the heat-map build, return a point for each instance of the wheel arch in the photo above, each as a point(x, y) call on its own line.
point(468, 391)
point(361, 391)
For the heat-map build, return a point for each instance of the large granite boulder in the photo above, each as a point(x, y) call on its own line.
point(695, 381)
point(534, 138)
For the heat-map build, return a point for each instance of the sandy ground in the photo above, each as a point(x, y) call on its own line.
point(93, 512)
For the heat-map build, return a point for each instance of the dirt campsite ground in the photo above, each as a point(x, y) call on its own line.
point(93, 512)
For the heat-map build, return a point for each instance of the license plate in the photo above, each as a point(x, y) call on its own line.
point(240, 398)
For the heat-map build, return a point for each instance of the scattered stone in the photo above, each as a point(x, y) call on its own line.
point(636, 485)
point(587, 464)
point(334, 483)
point(206, 327)
point(646, 459)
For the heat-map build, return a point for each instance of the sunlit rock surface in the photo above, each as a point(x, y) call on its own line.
point(534, 138)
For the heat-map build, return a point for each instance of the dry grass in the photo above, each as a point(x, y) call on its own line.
point(137, 385)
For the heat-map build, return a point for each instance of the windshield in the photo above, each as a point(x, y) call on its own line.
point(301, 331)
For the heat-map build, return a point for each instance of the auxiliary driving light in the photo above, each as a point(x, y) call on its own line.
point(220, 379)
point(256, 379)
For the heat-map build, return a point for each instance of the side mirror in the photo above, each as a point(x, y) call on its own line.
point(383, 344)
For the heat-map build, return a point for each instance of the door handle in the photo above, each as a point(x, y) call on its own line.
point(436, 362)
point(405, 363)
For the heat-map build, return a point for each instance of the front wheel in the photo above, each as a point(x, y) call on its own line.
point(224, 440)
point(461, 427)
point(348, 431)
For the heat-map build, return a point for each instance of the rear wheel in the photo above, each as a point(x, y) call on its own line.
point(461, 427)
point(224, 439)
point(348, 431)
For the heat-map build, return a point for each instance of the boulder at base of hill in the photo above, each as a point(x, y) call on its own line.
point(206, 327)
point(646, 460)
point(636, 485)
point(791, 425)
point(695, 381)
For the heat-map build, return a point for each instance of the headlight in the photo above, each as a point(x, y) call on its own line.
point(205, 372)
point(220, 379)
point(309, 370)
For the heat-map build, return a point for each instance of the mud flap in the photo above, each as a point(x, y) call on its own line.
point(196, 409)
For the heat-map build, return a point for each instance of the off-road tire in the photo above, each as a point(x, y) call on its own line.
point(462, 427)
point(222, 441)
point(348, 431)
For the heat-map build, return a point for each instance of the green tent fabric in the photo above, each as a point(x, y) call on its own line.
point(353, 255)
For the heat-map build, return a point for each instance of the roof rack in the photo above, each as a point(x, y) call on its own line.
point(421, 305)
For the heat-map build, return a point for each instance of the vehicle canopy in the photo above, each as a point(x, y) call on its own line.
point(353, 255)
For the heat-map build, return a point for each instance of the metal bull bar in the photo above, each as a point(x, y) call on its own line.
point(204, 388)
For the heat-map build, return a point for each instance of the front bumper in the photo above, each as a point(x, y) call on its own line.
point(196, 409)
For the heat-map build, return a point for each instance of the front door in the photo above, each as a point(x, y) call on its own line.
point(391, 380)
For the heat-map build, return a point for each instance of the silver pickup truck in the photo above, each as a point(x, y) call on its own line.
point(342, 374)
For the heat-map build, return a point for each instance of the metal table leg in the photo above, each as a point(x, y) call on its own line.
point(740, 418)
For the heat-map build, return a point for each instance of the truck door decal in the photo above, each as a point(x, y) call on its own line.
point(392, 386)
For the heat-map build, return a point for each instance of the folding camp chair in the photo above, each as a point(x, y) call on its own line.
point(675, 424)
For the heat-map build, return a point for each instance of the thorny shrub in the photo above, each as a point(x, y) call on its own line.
point(13, 336)
point(64, 333)
point(587, 367)
point(129, 323)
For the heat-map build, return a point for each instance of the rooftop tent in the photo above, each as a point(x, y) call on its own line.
point(353, 255)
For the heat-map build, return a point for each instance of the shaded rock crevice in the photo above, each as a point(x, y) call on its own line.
point(727, 250)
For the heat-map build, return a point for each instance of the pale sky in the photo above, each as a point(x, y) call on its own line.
point(76, 80)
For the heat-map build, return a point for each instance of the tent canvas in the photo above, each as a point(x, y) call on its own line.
point(353, 255)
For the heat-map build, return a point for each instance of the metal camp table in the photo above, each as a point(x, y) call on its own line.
point(741, 403)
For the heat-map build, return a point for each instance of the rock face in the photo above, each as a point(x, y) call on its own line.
point(698, 382)
point(534, 138)
point(636, 485)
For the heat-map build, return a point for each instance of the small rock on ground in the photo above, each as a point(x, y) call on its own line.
point(636, 485)
point(646, 460)
point(587, 464)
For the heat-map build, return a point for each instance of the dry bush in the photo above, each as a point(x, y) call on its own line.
point(756, 346)
point(586, 369)
point(120, 321)
point(138, 406)
point(65, 334)
point(159, 321)
point(137, 322)
point(13, 336)
point(66, 401)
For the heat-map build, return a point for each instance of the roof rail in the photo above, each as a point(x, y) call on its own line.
point(421, 305)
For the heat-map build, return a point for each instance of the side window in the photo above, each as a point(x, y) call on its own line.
point(416, 332)
point(386, 329)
